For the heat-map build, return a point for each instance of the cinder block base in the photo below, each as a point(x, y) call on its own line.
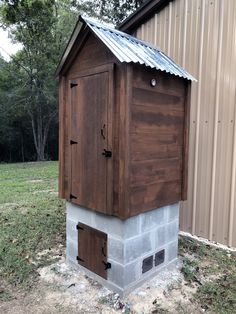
point(130, 242)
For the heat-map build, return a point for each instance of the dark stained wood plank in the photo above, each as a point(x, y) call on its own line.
point(150, 118)
point(92, 249)
point(63, 127)
point(147, 152)
point(157, 139)
point(166, 83)
point(110, 139)
point(155, 171)
point(92, 165)
point(116, 145)
point(184, 191)
point(151, 145)
point(150, 138)
point(75, 137)
point(152, 196)
point(93, 54)
point(124, 139)
point(160, 100)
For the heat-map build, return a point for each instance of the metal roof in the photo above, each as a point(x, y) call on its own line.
point(129, 49)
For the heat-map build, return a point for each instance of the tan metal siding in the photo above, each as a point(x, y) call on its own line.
point(201, 36)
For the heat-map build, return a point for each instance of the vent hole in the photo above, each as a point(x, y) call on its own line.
point(159, 257)
point(147, 264)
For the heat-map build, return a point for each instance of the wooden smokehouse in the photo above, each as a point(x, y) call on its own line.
point(124, 123)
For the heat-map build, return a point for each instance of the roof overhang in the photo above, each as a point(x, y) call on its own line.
point(142, 14)
point(123, 46)
point(69, 46)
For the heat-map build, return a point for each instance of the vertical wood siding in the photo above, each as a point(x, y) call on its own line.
point(200, 35)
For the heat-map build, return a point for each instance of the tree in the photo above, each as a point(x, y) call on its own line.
point(39, 25)
point(113, 11)
point(29, 99)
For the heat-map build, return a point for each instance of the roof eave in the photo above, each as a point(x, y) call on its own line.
point(148, 9)
point(69, 46)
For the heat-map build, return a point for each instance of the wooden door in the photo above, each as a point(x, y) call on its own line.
point(92, 250)
point(91, 171)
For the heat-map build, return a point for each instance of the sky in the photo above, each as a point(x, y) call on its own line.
point(6, 46)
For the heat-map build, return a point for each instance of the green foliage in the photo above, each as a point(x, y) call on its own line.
point(43, 28)
point(28, 89)
point(220, 295)
point(213, 271)
point(189, 269)
point(32, 219)
point(113, 11)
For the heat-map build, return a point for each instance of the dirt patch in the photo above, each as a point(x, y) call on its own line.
point(61, 289)
point(45, 191)
point(35, 181)
point(9, 206)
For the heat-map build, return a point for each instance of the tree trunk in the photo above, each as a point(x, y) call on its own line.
point(22, 147)
point(40, 133)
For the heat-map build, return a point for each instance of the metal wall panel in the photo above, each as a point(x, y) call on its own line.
point(200, 35)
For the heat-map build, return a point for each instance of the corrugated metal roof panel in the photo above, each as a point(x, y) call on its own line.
point(130, 49)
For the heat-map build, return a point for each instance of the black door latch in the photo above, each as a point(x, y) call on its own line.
point(79, 259)
point(73, 197)
point(107, 153)
point(107, 265)
point(73, 142)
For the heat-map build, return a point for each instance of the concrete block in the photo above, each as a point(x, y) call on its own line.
point(79, 214)
point(110, 225)
point(116, 249)
point(71, 250)
point(172, 230)
point(173, 212)
point(167, 233)
point(172, 251)
point(71, 231)
point(129, 242)
point(137, 247)
point(131, 227)
point(132, 272)
point(116, 274)
point(161, 236)
point(153, 219)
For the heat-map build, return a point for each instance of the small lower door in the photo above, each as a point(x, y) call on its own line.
point(92, 249)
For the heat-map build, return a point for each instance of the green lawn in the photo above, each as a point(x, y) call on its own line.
point(32, 219)
point(213, 272)
point(32, 232)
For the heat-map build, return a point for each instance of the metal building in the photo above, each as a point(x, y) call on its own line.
point(201, 36)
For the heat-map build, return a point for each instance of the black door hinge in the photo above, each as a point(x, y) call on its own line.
point(73, 197)
point(73, 142)
point(107, 153)
point(107, 265)
point(73, 85)
point(79, 259)
point(79, 228)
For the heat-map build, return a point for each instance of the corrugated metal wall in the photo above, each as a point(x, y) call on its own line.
point(201, 36)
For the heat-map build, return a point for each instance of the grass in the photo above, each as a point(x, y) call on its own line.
point(213, 270)
point(32, 219)
point(32, 225)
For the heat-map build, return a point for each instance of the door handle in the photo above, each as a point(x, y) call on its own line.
point(102, 131)
point(107, 153)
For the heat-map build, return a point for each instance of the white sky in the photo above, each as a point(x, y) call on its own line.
point(6, 46)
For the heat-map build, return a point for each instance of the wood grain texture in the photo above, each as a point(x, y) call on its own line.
point(157, 140)
point(92, 249)
point(93, 54)
point(62, 172)
point(149, 196)
point(187, 103)
point(145, 127)
point(89, 117)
